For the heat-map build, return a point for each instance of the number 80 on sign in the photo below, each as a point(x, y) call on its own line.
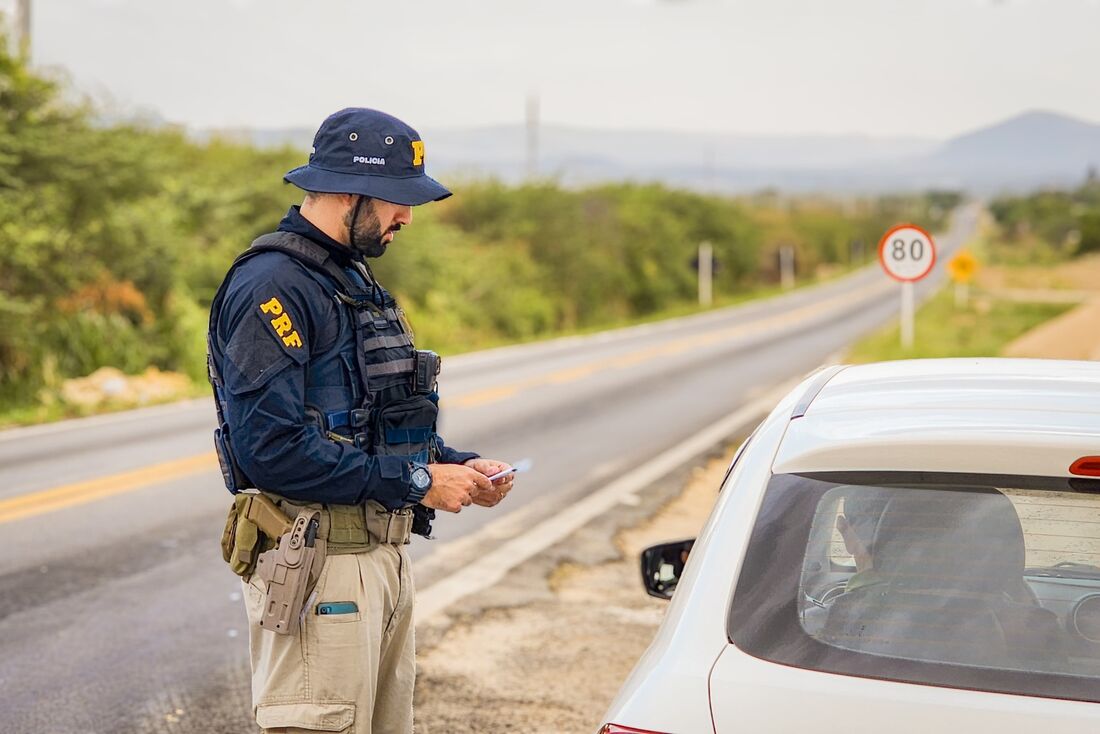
point(907, 253)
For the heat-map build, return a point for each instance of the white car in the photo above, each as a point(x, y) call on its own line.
point(899, 547)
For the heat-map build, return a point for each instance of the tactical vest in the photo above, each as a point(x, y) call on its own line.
point(391, 407)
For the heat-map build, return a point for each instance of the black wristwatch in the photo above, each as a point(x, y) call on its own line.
point(420, 482)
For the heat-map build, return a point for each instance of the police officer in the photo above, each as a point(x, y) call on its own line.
point(325, 404)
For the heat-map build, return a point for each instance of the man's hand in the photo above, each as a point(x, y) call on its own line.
point(454, 486)
point(493, 494)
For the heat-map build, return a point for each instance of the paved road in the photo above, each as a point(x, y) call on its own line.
point(116, 612)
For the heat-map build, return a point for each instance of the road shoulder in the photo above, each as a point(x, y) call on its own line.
point(547, 648)
point(1073, 335)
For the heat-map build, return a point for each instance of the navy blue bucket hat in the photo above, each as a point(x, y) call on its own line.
point(361, 151)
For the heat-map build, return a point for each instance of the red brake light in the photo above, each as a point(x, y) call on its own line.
point(616, 729)
point(1086, 466)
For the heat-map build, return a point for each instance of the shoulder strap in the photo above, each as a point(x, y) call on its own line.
point(294, 245)
point(314, 257)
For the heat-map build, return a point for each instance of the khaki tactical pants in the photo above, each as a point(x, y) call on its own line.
point(350, 673)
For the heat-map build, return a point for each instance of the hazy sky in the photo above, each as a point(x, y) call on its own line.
point(883, 67)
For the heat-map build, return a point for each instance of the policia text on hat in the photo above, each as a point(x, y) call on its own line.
point(326, 407)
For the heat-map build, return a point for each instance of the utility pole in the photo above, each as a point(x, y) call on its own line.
point(532, 136)
point(22, 28)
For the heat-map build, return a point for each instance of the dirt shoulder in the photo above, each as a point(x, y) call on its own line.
point(547, 648)
point(1081, 274)
point(1073, 335)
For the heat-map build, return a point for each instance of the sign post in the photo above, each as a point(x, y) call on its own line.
point(907, 253)
point(962, 268)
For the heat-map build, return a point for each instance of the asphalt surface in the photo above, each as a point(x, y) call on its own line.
point(116, 611)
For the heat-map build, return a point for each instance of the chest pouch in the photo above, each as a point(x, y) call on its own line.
point(405, 427)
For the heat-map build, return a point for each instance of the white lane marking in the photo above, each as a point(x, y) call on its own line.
point(491, 567)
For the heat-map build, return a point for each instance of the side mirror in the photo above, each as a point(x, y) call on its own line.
point(662, 566)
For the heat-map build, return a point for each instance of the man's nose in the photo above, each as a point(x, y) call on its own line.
point(404, 215)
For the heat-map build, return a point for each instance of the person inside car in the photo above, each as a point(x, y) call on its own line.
point(862, 511)
point(948, 584)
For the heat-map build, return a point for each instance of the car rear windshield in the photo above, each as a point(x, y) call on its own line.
point(968, 581)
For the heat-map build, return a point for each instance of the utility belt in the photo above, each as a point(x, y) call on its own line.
point(256, 520)
point(356, 528)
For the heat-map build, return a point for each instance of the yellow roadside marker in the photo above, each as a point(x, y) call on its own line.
point(78, 493)
point(962, 267)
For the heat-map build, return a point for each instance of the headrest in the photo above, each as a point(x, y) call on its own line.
point(958, 539)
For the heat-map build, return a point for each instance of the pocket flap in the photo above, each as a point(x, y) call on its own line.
point(312, 716)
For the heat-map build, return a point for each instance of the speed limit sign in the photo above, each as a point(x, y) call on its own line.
point(907, 253)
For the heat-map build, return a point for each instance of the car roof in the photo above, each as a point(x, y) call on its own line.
point(990, 416)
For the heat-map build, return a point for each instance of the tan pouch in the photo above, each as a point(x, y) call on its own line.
point(253, 524)
point(242, 540)
point(246, 547)
point(229, 533)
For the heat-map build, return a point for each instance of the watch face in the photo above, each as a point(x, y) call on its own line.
point(421, 478)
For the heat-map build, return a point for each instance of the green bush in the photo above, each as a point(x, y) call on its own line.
point(1049, 226)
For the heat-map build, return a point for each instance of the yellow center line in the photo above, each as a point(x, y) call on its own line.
point(79, 493)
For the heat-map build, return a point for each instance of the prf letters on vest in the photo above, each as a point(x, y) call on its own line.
point(282, 323)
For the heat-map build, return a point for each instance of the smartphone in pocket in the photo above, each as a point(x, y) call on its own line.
point(337, 607)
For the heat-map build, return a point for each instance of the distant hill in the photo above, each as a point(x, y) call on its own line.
point(1030, 150)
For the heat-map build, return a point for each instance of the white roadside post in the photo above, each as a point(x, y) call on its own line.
point(706, 274)
point(786, 267)
point(907, 253)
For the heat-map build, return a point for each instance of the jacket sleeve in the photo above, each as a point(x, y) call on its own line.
point(264, 329)
point(447, 455)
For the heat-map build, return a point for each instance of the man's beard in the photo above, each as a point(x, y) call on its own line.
point(366, 239)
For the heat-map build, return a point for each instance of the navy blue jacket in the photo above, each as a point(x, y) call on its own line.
point(265, 375)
